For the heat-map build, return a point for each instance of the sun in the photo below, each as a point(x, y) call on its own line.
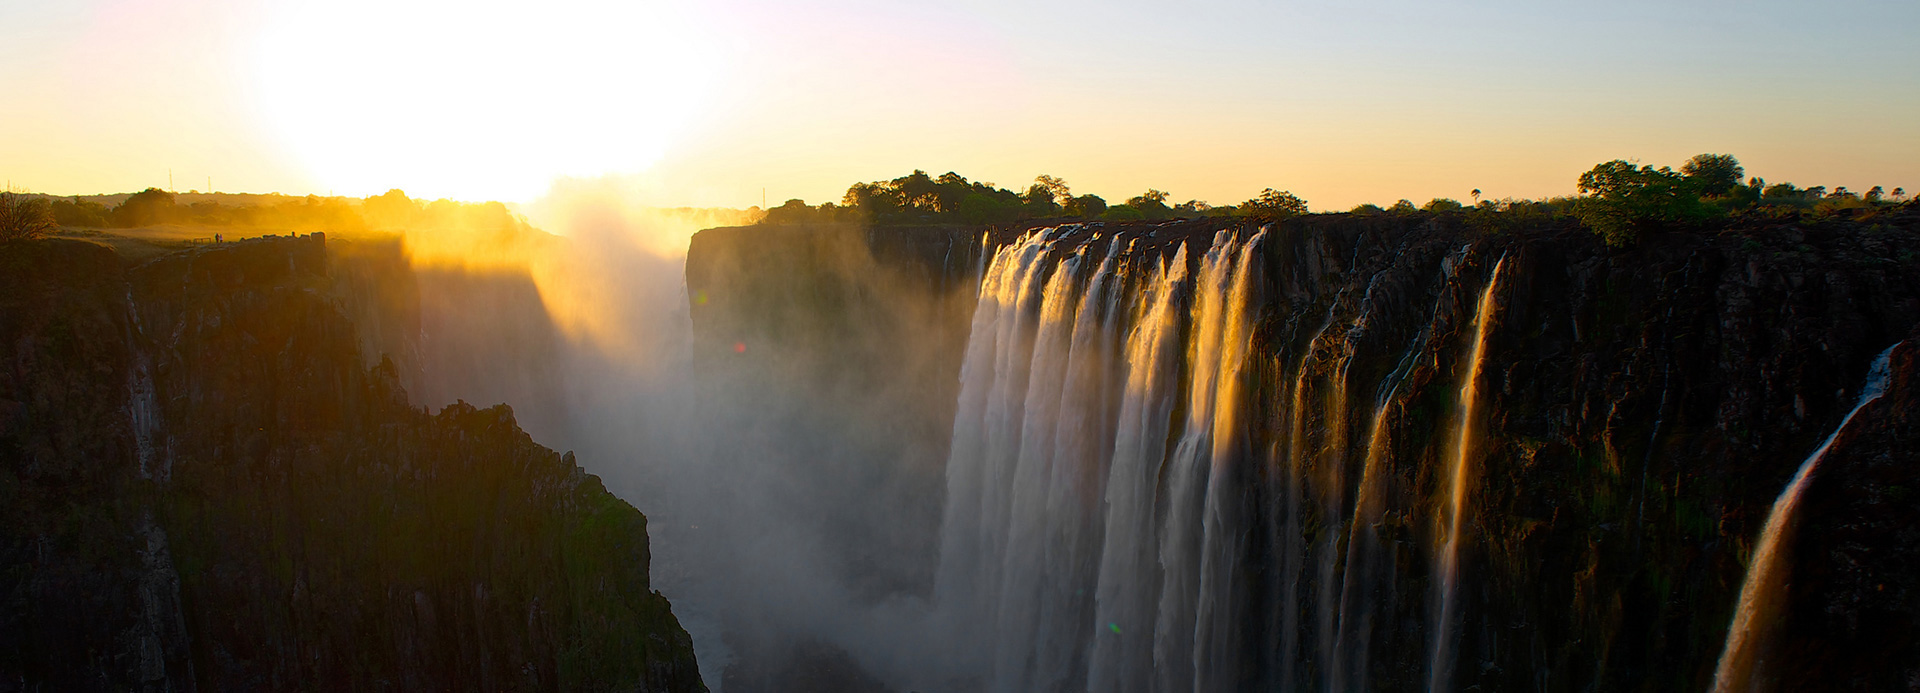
point(479, 100)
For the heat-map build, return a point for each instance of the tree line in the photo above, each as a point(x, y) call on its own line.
point(918, 198)
point(28, 216)
point(1619, 200)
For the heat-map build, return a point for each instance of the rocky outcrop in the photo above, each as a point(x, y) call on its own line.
point(202, 486)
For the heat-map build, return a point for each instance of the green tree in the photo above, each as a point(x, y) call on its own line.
point(1782, 191)
point(873, 200)
point(1152, 205)
point(1055, 187)
point(1086, 207)
point(1623, 200)
point(1442, 204)
point(390, 210)
point(983, 208)
point(1040, 201)
point(144, 208)
point(78, 212)
point(1404, 206)
point(24, 217)
point(1713, 174)
point(1274, 203)
point(918, 192)
point(792, 212)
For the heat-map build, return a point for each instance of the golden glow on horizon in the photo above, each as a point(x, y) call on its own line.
point(478, 100)
point(598, 283)
point(712, 103)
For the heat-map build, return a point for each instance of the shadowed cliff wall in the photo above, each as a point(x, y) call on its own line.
point(206, 487)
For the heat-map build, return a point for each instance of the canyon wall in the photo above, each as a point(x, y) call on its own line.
point(205, 486)
point(1634, 412)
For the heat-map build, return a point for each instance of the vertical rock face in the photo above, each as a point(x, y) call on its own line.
point(1636, 413)
point(204, 487)
point(87, 598)
point(1853, 600)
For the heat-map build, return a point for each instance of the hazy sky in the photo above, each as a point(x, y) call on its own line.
point(709, 103)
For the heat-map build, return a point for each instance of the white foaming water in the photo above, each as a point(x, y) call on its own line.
point(1060, 477)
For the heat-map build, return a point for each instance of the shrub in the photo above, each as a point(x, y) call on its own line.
point(24, 217)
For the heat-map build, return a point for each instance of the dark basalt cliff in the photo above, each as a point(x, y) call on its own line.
point(1642, 408)
point(202, 486)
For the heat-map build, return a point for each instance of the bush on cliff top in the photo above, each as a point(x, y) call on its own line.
point(23, 217)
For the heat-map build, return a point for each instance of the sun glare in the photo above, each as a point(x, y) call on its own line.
point(479, 100)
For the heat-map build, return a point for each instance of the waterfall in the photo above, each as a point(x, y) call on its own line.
point(965, 582)
point(1116, 444)
point(1091, 540)
point(1291, 545)
point(1447, 571)
point(1224, 521)
point(1358, 588)
point(1127, 581)
point(1214, 355)
point(1743, 664)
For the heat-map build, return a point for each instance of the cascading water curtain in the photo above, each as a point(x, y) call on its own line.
point(1111, 474)
point(1077, 550)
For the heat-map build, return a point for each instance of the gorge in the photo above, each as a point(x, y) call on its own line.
point(1328, 452)
point(1350, 453)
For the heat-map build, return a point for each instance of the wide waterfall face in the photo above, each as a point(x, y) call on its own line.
point(1127, 489)
point(1330, 453)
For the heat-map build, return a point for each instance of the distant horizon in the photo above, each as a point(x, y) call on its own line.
point(677, 106)
point(520, 206)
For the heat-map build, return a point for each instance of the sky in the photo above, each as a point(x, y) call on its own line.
point(722, 103)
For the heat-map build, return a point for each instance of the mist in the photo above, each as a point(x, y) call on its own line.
point(791, 465)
